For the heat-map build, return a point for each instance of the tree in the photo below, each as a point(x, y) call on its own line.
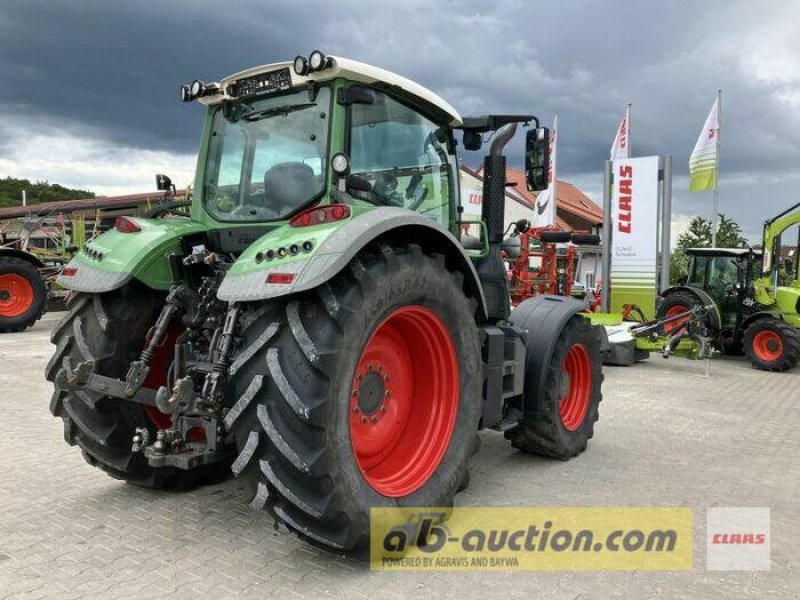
point(698, 235)
point(40, 191)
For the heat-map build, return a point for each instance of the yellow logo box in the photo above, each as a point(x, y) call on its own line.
point(531, 539)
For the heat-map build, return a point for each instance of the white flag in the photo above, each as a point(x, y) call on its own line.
point(621, 148)
point(703, 161)
point(546, 199)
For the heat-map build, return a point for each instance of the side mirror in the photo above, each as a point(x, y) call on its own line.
point(537, 158)
point(163, 183)
point(472, 140)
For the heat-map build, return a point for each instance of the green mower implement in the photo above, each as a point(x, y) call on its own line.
point(316, 325)
point(753, 295)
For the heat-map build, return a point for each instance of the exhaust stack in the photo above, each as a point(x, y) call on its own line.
point(492, 270)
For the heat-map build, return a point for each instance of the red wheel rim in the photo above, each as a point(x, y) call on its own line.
point(404, 401)
point(16, 295)
point(575, 386)
point(675, 326)
point(768, 345)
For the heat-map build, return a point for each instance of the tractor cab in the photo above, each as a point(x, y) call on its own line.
point(725, 274)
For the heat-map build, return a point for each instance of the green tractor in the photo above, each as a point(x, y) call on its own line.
point(316, 325)
point(753, 298)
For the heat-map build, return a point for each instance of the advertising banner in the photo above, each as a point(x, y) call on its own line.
point(471, 197)
point(634, 214)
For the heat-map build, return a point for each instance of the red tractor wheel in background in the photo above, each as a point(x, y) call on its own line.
point(772, 345)
point(673, 306)
point(23, 294)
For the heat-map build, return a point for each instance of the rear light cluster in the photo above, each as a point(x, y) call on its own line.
point(69, 271)
point(284, 251)
point(280, 278)
point(320, 215)
point(126, 225)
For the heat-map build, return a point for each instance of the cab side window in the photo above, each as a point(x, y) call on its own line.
point(403, 156)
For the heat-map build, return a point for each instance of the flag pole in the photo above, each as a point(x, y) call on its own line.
point(715, 215)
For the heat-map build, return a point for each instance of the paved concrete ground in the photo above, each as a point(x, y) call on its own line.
point(667, 436)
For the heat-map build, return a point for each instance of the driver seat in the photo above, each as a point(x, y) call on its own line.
point(287, 186)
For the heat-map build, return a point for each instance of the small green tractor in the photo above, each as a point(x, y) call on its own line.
point(316, 325)
point(753, 298)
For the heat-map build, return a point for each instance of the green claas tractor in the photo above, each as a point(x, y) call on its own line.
point(753, 297)
point(316, 325)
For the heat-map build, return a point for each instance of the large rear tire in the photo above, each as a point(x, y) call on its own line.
point(110, 329)
point(562, 423)
point(362, 393)
point(772, 345)
point(23, 294)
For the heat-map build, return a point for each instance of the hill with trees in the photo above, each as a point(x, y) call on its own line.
point(38, 192)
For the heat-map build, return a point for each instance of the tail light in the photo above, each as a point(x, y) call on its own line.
point(320, 214)
point(280, 278)
point(69, 271)
point(126, 225)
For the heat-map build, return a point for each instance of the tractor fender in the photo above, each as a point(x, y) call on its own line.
point(113, 258)
point(542, 318)
point(21, 254)
point(389, 224)
point(762, 314)
point(702, 297)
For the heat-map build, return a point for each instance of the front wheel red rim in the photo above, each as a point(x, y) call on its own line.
point(768, 345)
point(16, 295)
point(404, 401)
point(575, 387)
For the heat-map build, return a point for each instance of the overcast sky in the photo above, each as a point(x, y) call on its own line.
point(91, 86)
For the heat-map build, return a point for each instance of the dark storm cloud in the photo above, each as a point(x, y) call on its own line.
point(116, 66)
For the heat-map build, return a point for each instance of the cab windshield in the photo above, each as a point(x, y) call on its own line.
point(267, 157)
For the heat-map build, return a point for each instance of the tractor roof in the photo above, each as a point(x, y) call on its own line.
point(352, 70)
point(722, 251)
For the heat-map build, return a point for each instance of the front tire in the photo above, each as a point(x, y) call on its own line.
point(772, 345)
point(362, 393)
point(562, 424)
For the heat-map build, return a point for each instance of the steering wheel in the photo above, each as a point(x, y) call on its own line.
point(385, 187)
point(416, 192)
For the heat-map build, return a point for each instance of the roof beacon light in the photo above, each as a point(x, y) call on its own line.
point(317, 61)
point(301, 65)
